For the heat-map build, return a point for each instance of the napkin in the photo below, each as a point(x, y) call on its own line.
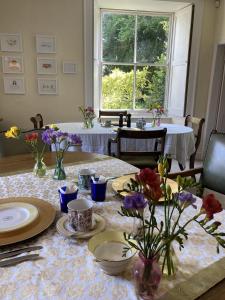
point(98, 180)
point(69, 189)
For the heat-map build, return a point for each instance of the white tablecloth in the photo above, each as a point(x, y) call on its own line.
point(180, 142)
point(68, 271)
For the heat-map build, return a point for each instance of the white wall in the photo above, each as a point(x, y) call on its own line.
point(220, 24)
point(64, 19)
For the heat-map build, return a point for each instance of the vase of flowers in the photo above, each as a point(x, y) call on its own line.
point(159, 233)
point(61, 142)
point(157, 110)
point(88, 116)
point(33, 142)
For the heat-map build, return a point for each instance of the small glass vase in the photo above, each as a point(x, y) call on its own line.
point(59, 173)
point(40, 168)
point(154, 122)
point(147, 276)
point(168, 261)
point(88, 123)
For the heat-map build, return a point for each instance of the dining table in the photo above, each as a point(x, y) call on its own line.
point(67, 270)
point(179, 143)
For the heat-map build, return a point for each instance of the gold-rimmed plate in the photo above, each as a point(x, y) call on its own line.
point(16, 215)
point(121, 183)
point(46, 216)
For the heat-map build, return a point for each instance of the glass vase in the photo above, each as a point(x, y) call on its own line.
point(147, 276)
point(168, 261)
point(88, 123)
point(154, 122)
point(39, 169)
point(59, 173)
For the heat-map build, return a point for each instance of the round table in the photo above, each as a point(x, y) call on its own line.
point(180, 142)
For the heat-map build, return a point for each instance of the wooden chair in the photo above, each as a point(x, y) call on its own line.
point(112, 113)
point(139, 159)
point(196, 124)
point(213, 170)
point(37, 121)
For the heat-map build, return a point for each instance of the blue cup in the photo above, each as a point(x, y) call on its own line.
point(66, 198)
point(98, 191)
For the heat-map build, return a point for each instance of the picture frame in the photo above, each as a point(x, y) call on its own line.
point(46, 65)
point(12, 64)
point(47, 86)
point(69, 67)
point(14, 85)
point(11, 42)
point(45, 43)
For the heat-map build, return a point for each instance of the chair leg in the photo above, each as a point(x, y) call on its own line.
point(170, 164)
point(181, 167)
point(192, 161)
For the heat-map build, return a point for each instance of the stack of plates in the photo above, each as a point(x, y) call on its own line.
point(23, 217)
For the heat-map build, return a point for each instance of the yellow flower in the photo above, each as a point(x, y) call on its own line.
point(13, 132)
point(53, 126)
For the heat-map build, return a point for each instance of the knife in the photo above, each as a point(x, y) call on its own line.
point(19, 251)
point(16, 260)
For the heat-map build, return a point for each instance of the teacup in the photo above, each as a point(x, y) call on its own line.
point(84, 178)
point(80, 214)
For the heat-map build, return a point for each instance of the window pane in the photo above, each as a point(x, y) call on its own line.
point(152, 37)
point(117, 87)
point(118, 37)
point(150, 86)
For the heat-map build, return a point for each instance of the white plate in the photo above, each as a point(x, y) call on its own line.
point(16, 215)
point(64, 228)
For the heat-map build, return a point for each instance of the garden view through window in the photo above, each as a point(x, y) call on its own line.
point(134, 59)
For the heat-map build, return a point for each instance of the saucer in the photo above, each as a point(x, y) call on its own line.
point(64, 228)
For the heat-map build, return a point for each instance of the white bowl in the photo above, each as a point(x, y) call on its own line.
point(107, 247)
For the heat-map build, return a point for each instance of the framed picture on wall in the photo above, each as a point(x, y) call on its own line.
point(46, 65)
point(12, 64)
point(14, 85)
point(69, 67)
point(11, 42)
point(45, 43)
point(47, 86)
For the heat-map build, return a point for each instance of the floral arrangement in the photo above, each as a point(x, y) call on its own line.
point(33, 142)
point(61, 141)
point(88, 115)
point(154, 237)
point(157, 110)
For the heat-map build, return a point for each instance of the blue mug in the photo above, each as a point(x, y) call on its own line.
point(98, 191)
point(66, 198)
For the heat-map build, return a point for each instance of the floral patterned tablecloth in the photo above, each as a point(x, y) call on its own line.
point(67, 270)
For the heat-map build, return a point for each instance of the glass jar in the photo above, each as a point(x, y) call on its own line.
point(59, 173)
point(39, 167)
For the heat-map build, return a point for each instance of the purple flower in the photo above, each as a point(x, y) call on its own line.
point(135, 201)
point(47, 136)
point(187, 199)
point(74, 139)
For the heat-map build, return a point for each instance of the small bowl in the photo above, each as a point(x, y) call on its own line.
point(107, 249)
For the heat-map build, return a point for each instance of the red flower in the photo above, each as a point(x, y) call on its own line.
point(31, 137)
point(210, 205)
point(150, 180)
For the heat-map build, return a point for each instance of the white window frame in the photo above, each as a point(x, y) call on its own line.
point(135, 64)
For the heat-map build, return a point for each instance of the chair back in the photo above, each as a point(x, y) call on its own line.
point(112, 113)
point(10, 146)
point(37, 121)
point(196, 124)
point(213, 176)
point(154, 135)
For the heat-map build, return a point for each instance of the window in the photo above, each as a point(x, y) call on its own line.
point(134, 59)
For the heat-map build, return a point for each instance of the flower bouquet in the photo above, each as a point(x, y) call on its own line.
point(33, 142)
point(88, 115)
point(154, 241)
point(157, 110)
point(61, 141)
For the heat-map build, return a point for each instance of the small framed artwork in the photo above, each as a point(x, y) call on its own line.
point(11, 42)
point(69, 67)
point(12, 64)
point(45, 43)
point(46, 65)
point(47, 86)
point(14, 85)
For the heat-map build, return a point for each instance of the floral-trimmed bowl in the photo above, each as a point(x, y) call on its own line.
point(107, 248)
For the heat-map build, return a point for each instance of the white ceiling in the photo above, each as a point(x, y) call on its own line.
point(144, 5)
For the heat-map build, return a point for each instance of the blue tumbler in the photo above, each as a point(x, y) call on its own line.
point(66, 198)
point(98, 191)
